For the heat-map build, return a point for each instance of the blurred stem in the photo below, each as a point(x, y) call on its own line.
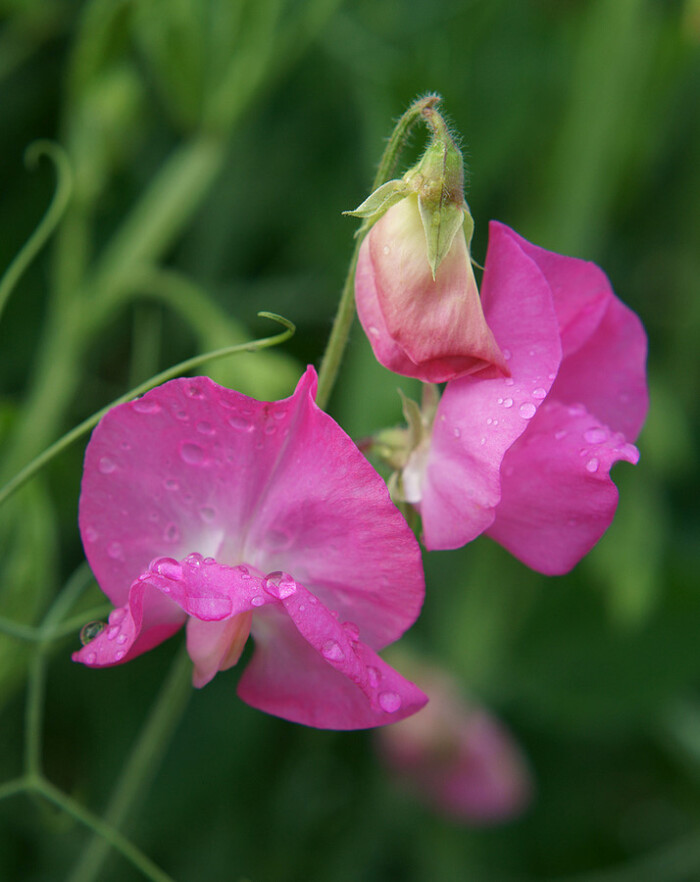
point(115, 839)
point(142, 763)
point(345, 314)
point(145, 342)
point(36, 688)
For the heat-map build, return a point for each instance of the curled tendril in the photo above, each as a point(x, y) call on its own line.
point(52, 217)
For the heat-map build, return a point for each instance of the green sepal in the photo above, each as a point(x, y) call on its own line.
point(379, 202)
point(441, 225)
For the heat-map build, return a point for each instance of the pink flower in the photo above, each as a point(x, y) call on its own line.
point(458, 757)
point(527, 458)
point(202, 506)
point(419, 326)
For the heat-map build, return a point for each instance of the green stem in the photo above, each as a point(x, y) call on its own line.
point(12, 788)
point(142, 763)
point(189, 364)
point(33, 718)
point(340, 332)
point(129, 851)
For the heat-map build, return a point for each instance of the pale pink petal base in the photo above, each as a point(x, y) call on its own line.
point(557, 495)
point(307, 667)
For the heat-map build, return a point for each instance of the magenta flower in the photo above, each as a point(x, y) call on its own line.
point(527, 458)
point(458, 757)
point(202, 506)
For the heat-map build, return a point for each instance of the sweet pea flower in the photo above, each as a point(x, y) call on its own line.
point(526, 458)
point(203, 507)
point(419, 325)
point(457, 756)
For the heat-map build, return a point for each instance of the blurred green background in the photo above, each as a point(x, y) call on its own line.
point(214, 145)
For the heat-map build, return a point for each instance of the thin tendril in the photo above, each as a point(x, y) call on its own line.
point(51, 218)
point(189, 364)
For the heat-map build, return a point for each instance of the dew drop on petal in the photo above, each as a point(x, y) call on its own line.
point(91, 534)
point(386, 249)
point(500, 401)
point(258, 601)
point(207, 513)
point(205, 428)
point(279, 584)
point(194, 559)
point(456, 432)
point(507, 354)
point(166, 566)
point(352, 631)
point(121, 639)
point(508, 381)
point(373, 331)
point(539, 393)
point(92, 658)
point(145, 405)
point(91, 630)
point(595, 436)
point(243, 572)
point(373, 676)
point(115, 551)
point(482, 441)
point(181, 414)
point(389, 702)
point(527, 410)
point(279, 414)
point(192, 453)
point(119, 655)
point(508, 402)
point(194, 391)
point(592, 465)
point(489, 421)
point(106, 465)
point(172, 533)
point(332, 650)
point(171, 484)
point(562, 433)
point(240, 424)
point(112, 632)
point(117, 615)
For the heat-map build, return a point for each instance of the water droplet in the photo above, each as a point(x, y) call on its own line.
point(91, 630)
point(209, 561)
point(121, 639)
point(596, 436)
point(500, 401)
point(106, 465)
point(386, 249)
point(279, 584)
point(92, 658)
point(181, 414)
point(332, 650)
point(172, 533)
point(577, 410)
point(495, 422)
point(207, 513)
point(258, 601)
point(507, 354)
point(508, 402)
point(457, 432)
point(240, 424)
point(489, 420)
point(352, 631)
point(551, 376)
point(482, 441)
point(532, 352)
point(508, 381)
point(373, 676)
point(115, 551)
point(117, 615)
point(244, 572)
point(194, 559)
point(562, 433)
point(125, 445)
point(539, 392)
point(592, 465)
point(112, 632)
point(389, 702)
point(119, 655)
point(194, 391)
point(171, 484)
point(205, 428)
point(91, 534)
point(145, 405)
point(270, 429)
point(166, 566)
point(527, 410)
point(192, 453)
point(279, 414)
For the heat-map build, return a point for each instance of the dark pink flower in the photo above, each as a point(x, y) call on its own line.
point(527, 458)
point(458, 757)
point(432, 328)
point(202, 506)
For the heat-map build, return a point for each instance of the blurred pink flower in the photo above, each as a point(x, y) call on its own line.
point(527, 457)
point(419, 326)
point(458, 757)
point(193, 493)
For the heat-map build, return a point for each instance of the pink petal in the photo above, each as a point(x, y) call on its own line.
point(557, 495)
point(216, 646)
point(310, 669)
point(430, 329)
point(603, 341)
point(194, 467)
point(478, 420)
